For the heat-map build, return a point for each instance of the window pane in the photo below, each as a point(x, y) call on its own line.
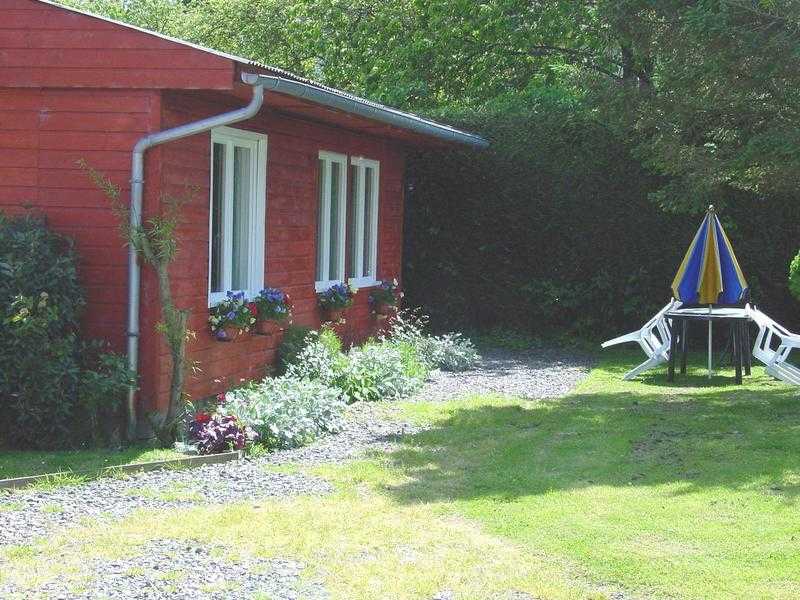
point(217, 195)
point(336, 241)
point(369, 209)
point(321, 275)
point(242, 198)
point(352, 240)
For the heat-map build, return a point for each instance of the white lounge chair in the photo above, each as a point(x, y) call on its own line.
point(654, 338)
point(773, 345)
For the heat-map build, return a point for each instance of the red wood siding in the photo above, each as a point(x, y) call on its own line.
point(292, 153)
point(43, 133)
point(49, 46)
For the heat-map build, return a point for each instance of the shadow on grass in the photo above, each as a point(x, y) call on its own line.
point(697, 438)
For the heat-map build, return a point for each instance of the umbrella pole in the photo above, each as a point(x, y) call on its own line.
point(709, 342)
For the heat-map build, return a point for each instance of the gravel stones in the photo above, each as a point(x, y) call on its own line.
point(34, 513)
point(179, 570)
point(533, 374)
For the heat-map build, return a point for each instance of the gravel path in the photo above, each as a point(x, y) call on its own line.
point(26, 515)
point(534, 374)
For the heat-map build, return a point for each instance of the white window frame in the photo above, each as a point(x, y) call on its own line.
point(323, 241)
point(257, 143)
point(360, 279)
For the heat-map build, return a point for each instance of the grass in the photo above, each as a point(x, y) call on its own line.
point(24, 463)
point(685, 490)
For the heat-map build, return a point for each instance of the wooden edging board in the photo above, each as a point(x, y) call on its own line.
point(187, 462)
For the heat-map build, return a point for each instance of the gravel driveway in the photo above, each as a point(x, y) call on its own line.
point(26, 515)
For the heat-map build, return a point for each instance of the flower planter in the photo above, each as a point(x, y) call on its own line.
point(383, 308)
point(334, 314)
point(229, 333)
point(268, 327)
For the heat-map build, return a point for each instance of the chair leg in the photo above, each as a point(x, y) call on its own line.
point(684, 344)
point(748, 350)
point(673, 346)
point(737, 352)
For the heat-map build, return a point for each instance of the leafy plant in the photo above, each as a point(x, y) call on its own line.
point(216, 433)
point(321, 359)
point(285, 411)
point(449, 352)
point(234, 311)
point(337, 297)
point(273, 305)
point(40, 305)
point(387, 292)
point(293, 342)
point(102, 387)
point(156, 242)
point(794, 276)
point(377, 371)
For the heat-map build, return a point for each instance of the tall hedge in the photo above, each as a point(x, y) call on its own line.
point(551, 229)
point(40, 305)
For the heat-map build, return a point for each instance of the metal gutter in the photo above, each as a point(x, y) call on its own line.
point(137, 193)
point(365, 108)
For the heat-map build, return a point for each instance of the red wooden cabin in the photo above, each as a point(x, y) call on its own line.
point(314, 179)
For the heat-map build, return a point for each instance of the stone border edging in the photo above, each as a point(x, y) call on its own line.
point(188, 461)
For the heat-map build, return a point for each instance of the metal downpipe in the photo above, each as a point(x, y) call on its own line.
point(137, 194)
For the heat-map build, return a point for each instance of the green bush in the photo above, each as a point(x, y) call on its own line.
point(102, 388)
point(448, 352)
point(56, 391)
point(293, 342)
point(377, 371)
point(794, 276)
point(321, 359)
point(40, 305)
point(552, 230)
point(286, 412)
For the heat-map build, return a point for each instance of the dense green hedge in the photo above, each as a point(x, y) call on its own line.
point(551, 229)
point(56, 390)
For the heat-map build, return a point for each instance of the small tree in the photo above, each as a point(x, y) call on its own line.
point(155, 241)
point(794, 276)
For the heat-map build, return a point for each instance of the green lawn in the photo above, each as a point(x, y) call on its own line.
point(23, 463)
point(686, 490)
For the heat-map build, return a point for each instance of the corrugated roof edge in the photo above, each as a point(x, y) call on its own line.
point(426, 127)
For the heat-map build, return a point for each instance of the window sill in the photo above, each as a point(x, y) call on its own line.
point(363, 282)
point(218, 297)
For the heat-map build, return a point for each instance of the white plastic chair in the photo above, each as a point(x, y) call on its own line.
point(773, 355)
point(654, 338)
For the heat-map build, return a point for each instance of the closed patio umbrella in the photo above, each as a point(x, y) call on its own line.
point(710, 273)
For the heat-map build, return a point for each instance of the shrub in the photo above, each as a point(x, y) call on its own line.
point(377, 372)
point(40, 304)
point(449, 352)
point(552, 228)
point(454, 352)
point(293, 342)
point(103, 385)
point(794, 276)
point(320, 360)
point(216, 433)
point(286, 412)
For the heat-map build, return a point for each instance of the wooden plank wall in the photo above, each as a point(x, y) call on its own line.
point(293, 147)
point(42, 45)
point(43, 134)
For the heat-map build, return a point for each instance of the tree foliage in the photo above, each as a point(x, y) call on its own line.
point(705, 90)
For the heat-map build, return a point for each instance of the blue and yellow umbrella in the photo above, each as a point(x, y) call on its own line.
point(710, 273)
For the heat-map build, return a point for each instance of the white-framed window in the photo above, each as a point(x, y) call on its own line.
point(237, 220)
point(364, 221)
point(331, 219)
